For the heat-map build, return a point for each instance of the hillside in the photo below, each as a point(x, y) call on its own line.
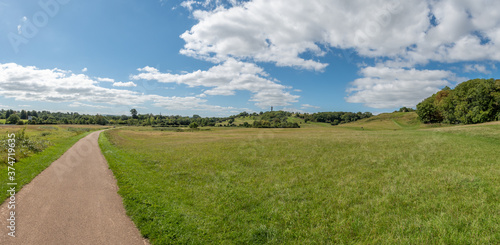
point(386, 121)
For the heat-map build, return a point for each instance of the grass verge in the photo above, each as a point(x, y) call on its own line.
point(29, 167)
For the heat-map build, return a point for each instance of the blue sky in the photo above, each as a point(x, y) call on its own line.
point(218, 58)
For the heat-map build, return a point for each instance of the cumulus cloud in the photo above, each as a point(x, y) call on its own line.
point(297, 33)
point(384, 87)
point(79, 104)
point(122, 84)
point(188, 4)
point(188, 103)
point(226, 79)
point(476, 68)
point(307, 106)
point(84, 69)
point(210, 4)
point(29, 83)
point(105, 79)
point(284, 32)
point(54, 85)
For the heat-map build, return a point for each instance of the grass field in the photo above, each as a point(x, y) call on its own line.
point(394, 181)
point(52, 140)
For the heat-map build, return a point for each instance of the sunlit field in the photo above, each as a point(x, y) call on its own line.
point(392, 181)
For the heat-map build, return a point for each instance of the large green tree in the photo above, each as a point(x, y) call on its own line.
point(473, 101)
point(13, 119)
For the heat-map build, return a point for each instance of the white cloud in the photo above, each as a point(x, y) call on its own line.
point(476, 68)
point(188, 103)
point(307, 106)
point(282, 31)
point(208, 4)
point(122, 84)
point(104, 79)
point(225, 79)
point(84, 69)
point(29, 83)
point(384, 87)
point(79, 104)
point(189, 4)
point(54, 85)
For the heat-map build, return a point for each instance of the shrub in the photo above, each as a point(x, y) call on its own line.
point(193, 125)
point(13, 119)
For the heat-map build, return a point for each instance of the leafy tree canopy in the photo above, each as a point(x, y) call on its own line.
point(474, 101)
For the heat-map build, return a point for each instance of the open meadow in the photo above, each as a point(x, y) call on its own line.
point(36, 147)
point(392, 181)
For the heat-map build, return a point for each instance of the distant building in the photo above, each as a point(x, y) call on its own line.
point(30, 117)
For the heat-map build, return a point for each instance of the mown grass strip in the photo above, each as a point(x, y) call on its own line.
point(28, 168)
point(131, 187)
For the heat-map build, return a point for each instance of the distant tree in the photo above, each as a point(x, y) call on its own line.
point(24, 115)
point(33, 121)
point(134, 113)
point(101, 120)
point(405, 109)
point(8, 113)
point(193, 125)
point(12, 119)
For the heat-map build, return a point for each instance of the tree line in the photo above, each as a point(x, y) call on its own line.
point(269, 119)
point(279, 119)
point(335, 118)
point(470, 102)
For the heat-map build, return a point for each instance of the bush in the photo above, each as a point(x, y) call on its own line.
point(25, 146)
point(193, 125)
point(13, 119)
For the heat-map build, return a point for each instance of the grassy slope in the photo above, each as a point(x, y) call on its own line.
point(387, 121)
point(28, 168)
point(311, 185)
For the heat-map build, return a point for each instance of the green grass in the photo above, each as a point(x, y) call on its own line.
point(61, 138)
point(321, 185)
point(387, 121)
point(250, 119)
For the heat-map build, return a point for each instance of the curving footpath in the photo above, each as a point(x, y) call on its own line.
point(73, 201)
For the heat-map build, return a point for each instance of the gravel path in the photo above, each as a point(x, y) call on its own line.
point(73, 201)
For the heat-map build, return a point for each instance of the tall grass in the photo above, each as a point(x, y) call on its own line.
point(310, 185)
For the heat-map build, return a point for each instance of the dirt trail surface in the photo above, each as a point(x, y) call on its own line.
point(73, 201)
